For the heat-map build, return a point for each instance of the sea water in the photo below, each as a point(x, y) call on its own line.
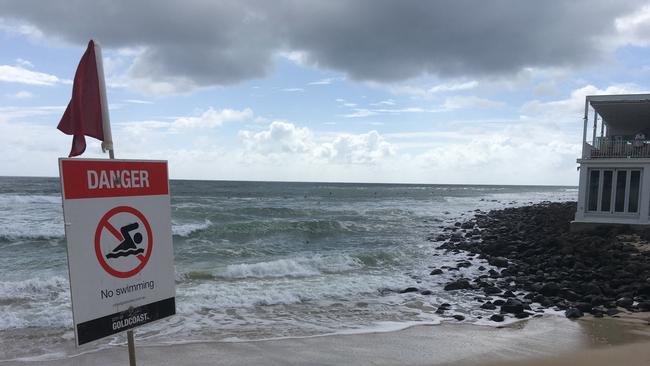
point(258, 260)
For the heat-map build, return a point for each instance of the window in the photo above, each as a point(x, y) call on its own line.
point(635, 180)
point(594, 181)
point(613, 190)
point(621, 179)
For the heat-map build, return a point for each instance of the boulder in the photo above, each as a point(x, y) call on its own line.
point(497, 318)
point(498, 262)
point(573, 313)
point(512, 306)
point(409, 289)
point(461, 284)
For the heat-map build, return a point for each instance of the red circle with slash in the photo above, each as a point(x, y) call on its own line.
point(104, 223)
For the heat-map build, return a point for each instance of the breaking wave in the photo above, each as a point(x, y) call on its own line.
point(295, 267)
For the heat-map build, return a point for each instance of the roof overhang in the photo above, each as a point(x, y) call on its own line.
point(625, 111)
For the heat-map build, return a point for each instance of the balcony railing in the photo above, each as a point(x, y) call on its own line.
point(607, 147)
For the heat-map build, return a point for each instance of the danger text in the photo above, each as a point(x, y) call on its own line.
point(104, 179)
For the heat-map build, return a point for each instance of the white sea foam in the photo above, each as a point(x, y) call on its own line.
point(291, 267)
point(18, 199)
point(48, 302)
point(186, 229)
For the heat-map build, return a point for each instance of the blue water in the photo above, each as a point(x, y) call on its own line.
point(256, 260)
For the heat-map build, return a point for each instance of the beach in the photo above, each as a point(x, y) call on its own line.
point(549, 341)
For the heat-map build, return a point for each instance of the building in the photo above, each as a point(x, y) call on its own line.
point(615, 164)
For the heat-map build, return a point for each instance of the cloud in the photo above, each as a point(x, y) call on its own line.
point(436, 89)
point(326, 81)
point(292, 90)
point(194, 44)
point(572, 108)
point(23, 94)
point(213, 118)
point(461, 102)
point(518, 154)
point(210, 118)
point(138, 101)
point(282, 139)
point(633, 29)
point(19, 74)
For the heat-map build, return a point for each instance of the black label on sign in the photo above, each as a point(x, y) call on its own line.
point(124, 320)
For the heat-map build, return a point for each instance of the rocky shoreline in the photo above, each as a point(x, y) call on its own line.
point(541, 263)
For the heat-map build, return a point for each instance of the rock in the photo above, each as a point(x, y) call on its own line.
point(612, 312)
point(497, 318)
point(436, 271)
point(585, 307)
point(512, 306)
point(498, 262)
point(522, 315)
point(463, 264)
point(550, 289)
point(643, 305)
point(467, 225)
point(461, 284)
point(426, 292)
point(481, 268)
point(409, 289)
point(488, 306)
point(625, 302)
point(509, 294)
point(573, 313)
point(499, 302)
point(459, 317)
point(491, 290)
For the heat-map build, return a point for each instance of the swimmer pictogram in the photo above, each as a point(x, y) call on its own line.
point(124, 252)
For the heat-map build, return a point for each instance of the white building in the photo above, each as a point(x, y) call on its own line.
point(615, 163)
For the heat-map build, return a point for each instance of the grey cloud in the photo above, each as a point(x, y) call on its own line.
point(224, 42)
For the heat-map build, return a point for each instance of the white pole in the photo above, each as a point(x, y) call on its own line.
point(595, 127)
point(584, 129)
point(107, 144)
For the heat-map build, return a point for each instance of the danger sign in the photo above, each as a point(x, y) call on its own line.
point(120, 256)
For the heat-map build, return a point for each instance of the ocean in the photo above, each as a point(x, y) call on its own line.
point(258, 260)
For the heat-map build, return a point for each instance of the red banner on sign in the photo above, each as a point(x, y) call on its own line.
point(113, 178)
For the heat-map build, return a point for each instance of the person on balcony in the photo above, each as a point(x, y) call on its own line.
point(639, 139)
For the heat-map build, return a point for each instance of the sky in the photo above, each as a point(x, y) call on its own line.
point(441, 92)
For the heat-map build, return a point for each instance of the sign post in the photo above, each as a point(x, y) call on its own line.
point(120, 256)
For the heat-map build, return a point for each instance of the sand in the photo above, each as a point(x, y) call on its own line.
point(549, 341)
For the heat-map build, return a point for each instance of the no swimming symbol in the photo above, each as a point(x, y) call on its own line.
point(123, 252)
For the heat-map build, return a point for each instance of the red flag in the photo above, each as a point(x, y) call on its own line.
point(84, 113)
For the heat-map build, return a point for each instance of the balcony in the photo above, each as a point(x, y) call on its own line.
point(621, 147)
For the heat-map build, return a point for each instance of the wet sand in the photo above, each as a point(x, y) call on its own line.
point(548, 341)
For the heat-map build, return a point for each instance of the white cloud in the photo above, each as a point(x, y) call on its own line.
point(14, 113)
point(360, 113)
point(326, 81)
point(293, 89)
point(281, 140)
point(23, 94)
point(633, 29)
point(461, 102)
point(517, 154)
point(213, 118)
point(436, 89)
point(19, 74)
point(572, 108)
point(389, 102)
point(138, 101)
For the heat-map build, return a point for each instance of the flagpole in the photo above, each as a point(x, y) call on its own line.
point(107, 144)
